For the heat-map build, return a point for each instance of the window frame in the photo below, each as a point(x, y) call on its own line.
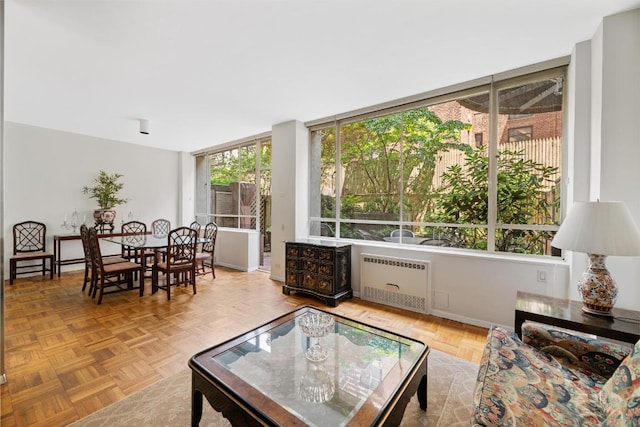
point(493, 87)
point(256, 142)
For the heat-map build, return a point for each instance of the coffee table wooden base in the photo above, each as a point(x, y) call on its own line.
point(219, 401)
point(237, 416)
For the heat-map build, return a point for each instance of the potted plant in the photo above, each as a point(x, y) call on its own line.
point(105, 191)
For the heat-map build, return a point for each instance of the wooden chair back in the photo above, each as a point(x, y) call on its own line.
point(195, 225)
point(94, 251)
point(181, 248)
point(29, 236)
point(84, 236)
point(29, 244)
point(134, 227)
point(160, 227)
point(210, 235)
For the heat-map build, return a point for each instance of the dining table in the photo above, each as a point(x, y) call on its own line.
point(144, 242)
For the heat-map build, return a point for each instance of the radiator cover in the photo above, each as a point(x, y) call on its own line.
point(398, 282)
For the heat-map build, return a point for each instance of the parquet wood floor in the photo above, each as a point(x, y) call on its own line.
point(67, 357)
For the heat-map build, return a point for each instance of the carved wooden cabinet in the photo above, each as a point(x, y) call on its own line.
point(319, 268)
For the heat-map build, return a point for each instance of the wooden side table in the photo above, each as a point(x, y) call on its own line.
point(623, 326)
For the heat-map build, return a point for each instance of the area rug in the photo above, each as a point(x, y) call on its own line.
point(168, 402)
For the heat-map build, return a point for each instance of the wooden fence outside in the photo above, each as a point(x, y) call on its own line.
point(546, 151)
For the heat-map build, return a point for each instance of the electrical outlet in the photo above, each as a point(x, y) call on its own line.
point(542, 276)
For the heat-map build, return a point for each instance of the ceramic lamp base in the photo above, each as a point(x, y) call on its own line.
point(597, 288)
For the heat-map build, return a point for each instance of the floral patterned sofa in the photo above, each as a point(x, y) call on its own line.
point(555, 378)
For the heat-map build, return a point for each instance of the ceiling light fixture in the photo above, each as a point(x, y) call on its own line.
point(144, 126)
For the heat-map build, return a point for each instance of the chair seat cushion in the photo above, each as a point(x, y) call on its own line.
point(519, 385)
point(203, 255)
point(175, 265)
point(31, 255)
point(122, 267)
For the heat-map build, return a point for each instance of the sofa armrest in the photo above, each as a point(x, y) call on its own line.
point(590, 355)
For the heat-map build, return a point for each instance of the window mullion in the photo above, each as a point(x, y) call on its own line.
point(492, 181)
point(402, 183)
point(338, 189)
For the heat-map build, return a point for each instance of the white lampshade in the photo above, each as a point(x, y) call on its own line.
point(604, 228)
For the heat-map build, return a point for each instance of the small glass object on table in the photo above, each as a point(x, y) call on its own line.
point(316, 326)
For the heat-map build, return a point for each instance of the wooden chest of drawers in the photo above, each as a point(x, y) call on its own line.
point(321, 269)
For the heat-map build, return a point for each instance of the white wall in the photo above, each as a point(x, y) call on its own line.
point(45, 170)
point(615, 113)
point(187, 189)
point(238, 249)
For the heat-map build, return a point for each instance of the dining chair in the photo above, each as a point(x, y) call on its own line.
point(160, 227)
point(195, 225)
point(88, 264)
point(208, 247)
point(133, 228)
point(110, 276)
point(29, 244)
point(179, 261)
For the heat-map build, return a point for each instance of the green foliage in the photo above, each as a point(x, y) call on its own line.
point(386, 155)
point(327, 206)
point(234, 165)
point(521, 199)
point(106, 190)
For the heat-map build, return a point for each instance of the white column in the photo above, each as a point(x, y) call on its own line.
point(290, 188)
point(616, 132)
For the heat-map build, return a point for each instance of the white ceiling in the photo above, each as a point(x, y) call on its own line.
point(208, 72)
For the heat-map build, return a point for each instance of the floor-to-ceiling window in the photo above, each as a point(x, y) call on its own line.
point(476, 169)
point(239, 189)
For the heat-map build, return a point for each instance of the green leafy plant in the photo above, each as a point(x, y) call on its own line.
point(523, 198)
point(106, 189)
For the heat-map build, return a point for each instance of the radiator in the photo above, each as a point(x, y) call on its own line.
point(397, 282)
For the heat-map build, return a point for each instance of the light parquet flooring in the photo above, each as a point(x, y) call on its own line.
point(67, 357)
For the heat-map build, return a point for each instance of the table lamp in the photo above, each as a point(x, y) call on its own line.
point(598, 229)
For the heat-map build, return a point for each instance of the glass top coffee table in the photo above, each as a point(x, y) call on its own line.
point(311, 367)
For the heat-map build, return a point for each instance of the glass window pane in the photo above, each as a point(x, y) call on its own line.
point(322, 185)
point(327, 228)
point(233, 187)
point(457, 166)
point(265, 194)
point(529, 150)
point(361, 231)
point(535, 242)
point(455, 237)
point(370, 160)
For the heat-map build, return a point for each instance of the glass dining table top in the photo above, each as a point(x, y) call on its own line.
point(320, 367)
point(139, 241)
point(143, 241)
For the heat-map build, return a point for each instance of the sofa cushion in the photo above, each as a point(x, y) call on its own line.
point(626, 414)
point(590, 355)
point(519, 385)
point(624, 383)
